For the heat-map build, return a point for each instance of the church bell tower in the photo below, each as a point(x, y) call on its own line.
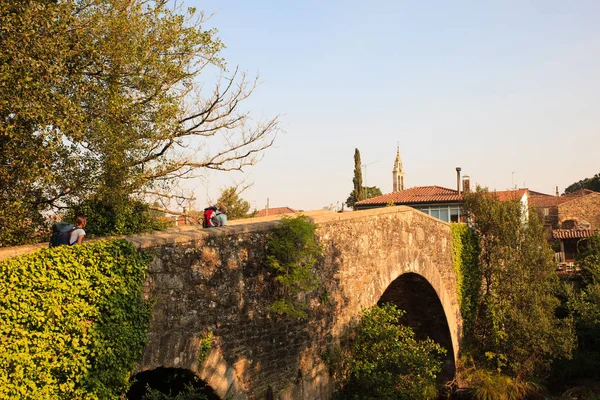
point(398, 173)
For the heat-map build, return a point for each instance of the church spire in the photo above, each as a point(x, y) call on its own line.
point(398, 172)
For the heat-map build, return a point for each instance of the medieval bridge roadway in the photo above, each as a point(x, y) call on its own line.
point(216, 281)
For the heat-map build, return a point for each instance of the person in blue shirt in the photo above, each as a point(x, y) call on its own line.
point(221, 215)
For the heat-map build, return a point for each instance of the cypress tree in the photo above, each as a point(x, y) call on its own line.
point(358, 193)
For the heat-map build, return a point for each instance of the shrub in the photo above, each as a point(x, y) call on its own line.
point(116, 217)
point(486, 385)
point(381, 359)
point(292, 252)
point(73, 321)
point(189, 393)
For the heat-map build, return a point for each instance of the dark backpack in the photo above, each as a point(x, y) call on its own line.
point(61, 234)
point(210, 217)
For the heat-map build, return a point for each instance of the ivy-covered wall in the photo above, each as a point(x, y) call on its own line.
point(465, 260)
point(72, 321)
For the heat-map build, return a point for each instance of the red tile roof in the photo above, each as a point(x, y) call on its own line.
point(579, 193)
point(553, 201)
point(418, 194)
point(275, 211)
point(504, 195)
point(572, 233)
point(548, 201)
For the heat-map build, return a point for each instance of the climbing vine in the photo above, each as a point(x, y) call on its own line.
point(73, 321)
point(292, 252)
point(465, 260)
point(205, 347)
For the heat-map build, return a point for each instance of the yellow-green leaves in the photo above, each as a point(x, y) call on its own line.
point(73, 321)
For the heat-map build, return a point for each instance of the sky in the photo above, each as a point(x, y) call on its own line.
point(507, 90)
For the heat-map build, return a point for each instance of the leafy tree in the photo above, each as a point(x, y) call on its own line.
point(381, 359)
point(515, 330)
point(592, 183)
point(236, 206)
point(369, 191)
point(117, 217)
point(358, 193)
point(106, 99)
point(584, 305)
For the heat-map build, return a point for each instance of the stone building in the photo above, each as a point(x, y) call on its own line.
point(570, 219)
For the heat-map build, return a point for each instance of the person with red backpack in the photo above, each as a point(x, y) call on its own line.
point(214, 216)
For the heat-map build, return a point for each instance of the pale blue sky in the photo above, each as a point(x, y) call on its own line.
point(491, 86)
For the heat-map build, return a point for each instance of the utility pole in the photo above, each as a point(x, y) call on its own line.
point(365, 167)
point(513, 179)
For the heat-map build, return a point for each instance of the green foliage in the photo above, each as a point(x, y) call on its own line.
point(105, 101)
point(516, 331)
point(592, 183)
point(292, 252)
point(369, 191)
point(236, 206)
point(189, 393)
point(588, 261)
point(381, 359)
point(465, 260)
point(116, 217)
point(205, 347)
point(583, 304)
point(73, 321)
point(486, 385)
point(358, 193)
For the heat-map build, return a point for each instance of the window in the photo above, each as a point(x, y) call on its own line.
point(546, 212)
point(444, 215)
point(447, 213)
point(454, 215)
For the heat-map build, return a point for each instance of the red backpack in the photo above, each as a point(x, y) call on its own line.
point(210, 217)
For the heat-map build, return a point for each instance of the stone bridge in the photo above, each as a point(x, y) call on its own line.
point(216, 281)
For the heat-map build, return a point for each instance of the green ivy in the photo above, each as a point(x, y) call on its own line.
point(205, 347)
point(292, 252)
point(73, 321)
point(465, 260)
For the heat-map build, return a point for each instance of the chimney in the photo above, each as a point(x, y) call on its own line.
point(267, 208)
point(466, 182)
point(557, 192)
point(458, 179)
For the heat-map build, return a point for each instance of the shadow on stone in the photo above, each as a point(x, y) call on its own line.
point(169, 381)
point(424, 313)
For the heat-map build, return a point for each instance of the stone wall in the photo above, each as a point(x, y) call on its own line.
point(216, 281)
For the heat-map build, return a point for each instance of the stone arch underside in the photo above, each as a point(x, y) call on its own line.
point(424, 313)
point(171, 381)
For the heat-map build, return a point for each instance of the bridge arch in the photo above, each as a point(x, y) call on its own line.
point(216, 280)
point(424, 313)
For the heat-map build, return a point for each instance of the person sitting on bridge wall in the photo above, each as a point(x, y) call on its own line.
point(221, 215)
